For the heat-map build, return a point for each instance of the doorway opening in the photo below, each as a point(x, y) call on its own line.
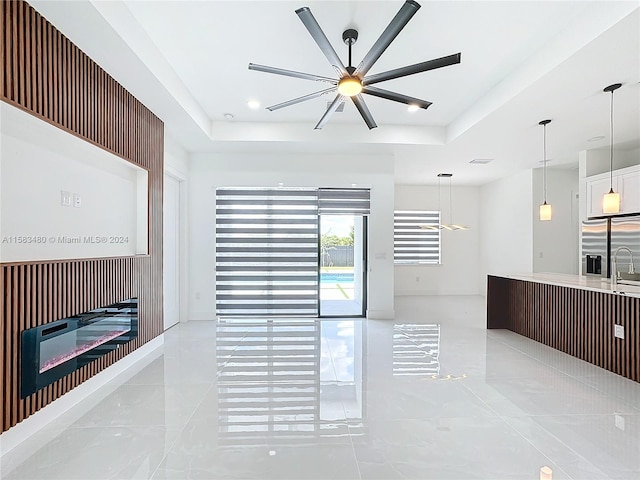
point(342, 269)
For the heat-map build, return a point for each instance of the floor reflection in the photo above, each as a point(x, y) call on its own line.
point(347, 399)
point(288, 380)
point(416, 349)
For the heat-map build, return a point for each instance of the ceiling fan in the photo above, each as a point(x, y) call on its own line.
point(354, 81)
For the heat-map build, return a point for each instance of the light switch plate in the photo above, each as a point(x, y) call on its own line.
point(77, 201)
point(65, 198)
point(618, 331)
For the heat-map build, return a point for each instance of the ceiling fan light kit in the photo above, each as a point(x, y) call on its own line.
point(352, 81)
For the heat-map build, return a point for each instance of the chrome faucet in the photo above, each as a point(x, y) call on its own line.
point(632, 269)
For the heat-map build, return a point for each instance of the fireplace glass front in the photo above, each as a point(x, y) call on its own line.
point(51, 351)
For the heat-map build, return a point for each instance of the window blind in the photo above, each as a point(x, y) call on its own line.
point(344, 201)
point(412, 244)
point(266, 252)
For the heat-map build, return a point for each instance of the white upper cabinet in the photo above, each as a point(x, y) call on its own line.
point(629, 185)
point(626, 182)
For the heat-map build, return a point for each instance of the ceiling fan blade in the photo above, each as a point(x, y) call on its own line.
point(321, 39)
point(332, 108)
point(411, 69)
point(291, 73)
point(396, 97)
point(301, 99)
point(403, 16)
point(364, 111)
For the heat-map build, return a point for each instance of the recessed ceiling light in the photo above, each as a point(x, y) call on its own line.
point(596, 138)
point(253, 104)
point(481, 161)
point(228, 116)
point(413, 108)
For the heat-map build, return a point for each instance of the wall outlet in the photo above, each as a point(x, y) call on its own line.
point(65, 198)
point(619, 422)
point(618, 331)
point(418, 279)
point(197, 295)
point(77, 200)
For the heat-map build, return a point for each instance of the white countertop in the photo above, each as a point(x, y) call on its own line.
point(595, 284)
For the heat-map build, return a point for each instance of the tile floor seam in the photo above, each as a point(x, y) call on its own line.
point(502, 418)
point(556, 463)
point(566, 374)
point(218, 368)
point(181, 430)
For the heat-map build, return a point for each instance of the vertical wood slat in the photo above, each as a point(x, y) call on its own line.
point(45, 74)
point(574, 321)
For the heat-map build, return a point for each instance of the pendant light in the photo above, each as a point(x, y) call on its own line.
point(450, 225)
point(611, 201)
point(545, 208)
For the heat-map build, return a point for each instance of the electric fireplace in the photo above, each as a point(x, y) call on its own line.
point(51, 351)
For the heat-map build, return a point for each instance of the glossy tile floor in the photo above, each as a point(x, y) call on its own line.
point(429, 395)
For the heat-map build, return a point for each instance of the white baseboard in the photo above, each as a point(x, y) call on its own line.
point(381, 314)
point(414, 293)
point(202, 316)
point(34, 423)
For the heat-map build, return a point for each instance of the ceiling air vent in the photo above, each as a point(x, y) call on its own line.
point(481, 161)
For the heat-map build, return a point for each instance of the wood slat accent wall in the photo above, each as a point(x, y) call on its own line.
point(48, 76)
point(575, 321)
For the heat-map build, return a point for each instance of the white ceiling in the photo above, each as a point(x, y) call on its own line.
point(521, 62)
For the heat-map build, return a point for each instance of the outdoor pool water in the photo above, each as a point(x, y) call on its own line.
point(336, 277)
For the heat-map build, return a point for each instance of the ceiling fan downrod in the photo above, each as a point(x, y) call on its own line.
point(349, 37)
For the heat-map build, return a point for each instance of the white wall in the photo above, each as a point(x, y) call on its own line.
point(176, 158)
point(208, 171)
point(506, 230)
point(459, 272)
point(556, 242)
point(599, 161)
point(176, 164)
point(39, 161)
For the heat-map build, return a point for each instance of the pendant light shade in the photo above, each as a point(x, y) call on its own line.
point(545, 211)
point(611, 200)
point(545, 208)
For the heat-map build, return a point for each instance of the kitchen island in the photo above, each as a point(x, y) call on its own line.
point(574, 314)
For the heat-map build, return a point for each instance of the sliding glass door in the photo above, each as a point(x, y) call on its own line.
point(342, 265)
point(272, 261)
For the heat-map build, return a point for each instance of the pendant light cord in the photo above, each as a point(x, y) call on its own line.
point(450, 205)
point(544, 164)
point(611, 147)
point(439, 207)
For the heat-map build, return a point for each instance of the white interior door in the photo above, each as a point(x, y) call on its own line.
point(171, 251)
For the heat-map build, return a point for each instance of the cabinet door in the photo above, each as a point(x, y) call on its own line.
point(596, 189)
point(629, 184)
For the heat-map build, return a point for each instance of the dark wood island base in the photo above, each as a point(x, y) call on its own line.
point(576, 320)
